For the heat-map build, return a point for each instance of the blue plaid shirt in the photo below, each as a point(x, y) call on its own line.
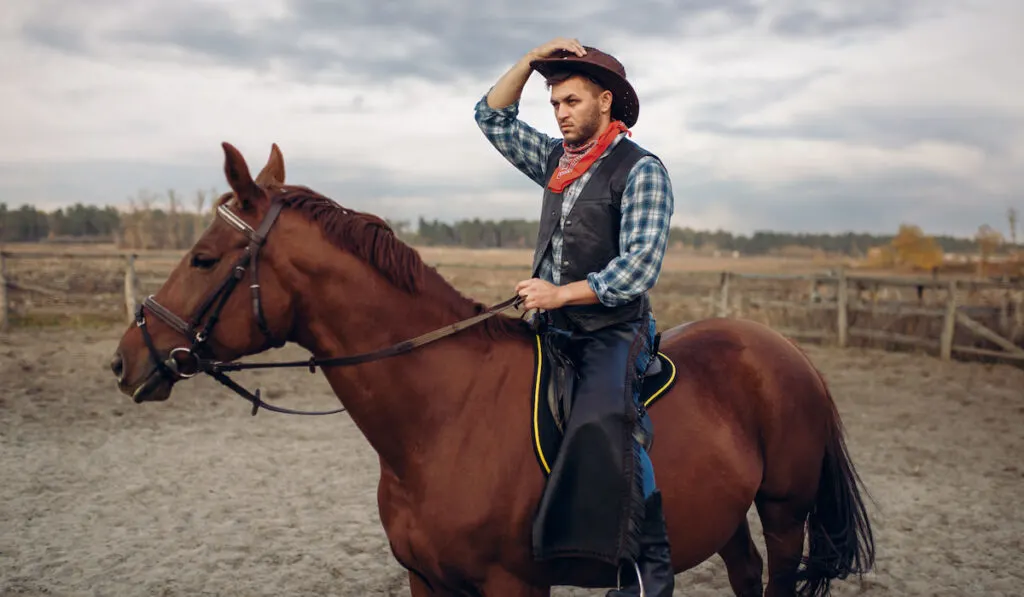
point(647, 205)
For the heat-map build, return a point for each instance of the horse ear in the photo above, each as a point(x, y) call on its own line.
point(273, 172)
point(239, 179)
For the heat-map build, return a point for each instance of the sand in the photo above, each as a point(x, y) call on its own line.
point(196, 497)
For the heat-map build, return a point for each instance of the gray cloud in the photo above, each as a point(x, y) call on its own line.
point(107, 182)
point(370, 40)
point(745, 95)
point(877, 204)
point(993, 131)
point(824, 19)
point(352, 43)
point(52, 35)
point(381, 40)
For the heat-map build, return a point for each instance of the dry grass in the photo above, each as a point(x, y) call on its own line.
point(95, 287)
point(62, 290)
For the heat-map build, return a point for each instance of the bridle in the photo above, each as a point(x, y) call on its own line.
point(198, 332)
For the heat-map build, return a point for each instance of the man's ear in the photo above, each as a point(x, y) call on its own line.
point(237, 173)
point(606, 101)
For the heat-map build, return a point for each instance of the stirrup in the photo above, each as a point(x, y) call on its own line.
point(639, 579)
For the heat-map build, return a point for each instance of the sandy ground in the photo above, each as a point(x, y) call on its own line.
point(195, 497)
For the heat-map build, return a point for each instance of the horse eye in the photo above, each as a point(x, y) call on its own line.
point(203, 261)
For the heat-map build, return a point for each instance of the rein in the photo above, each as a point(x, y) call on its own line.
point(172, 370)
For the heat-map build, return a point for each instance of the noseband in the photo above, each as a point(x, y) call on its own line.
point(198, 333)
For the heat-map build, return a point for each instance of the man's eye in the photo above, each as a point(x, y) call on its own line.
point(203, 261)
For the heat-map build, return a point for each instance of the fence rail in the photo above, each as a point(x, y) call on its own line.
point(947, 317)
point(847, 298)
point(8, 283)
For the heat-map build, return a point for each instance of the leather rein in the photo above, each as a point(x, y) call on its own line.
point(196, 355)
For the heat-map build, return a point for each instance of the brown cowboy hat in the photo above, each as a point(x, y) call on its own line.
point(603, 68)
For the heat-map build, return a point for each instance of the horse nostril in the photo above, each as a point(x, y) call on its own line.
point(117, 366)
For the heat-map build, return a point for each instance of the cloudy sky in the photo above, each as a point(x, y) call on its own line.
point(802, 115)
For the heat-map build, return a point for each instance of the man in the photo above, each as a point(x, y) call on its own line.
point(604, 227)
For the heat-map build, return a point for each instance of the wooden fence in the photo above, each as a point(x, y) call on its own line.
point(39, 281)
point(962, 318)
point(947, 317)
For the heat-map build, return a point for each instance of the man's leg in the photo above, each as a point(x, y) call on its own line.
point(596, 473)
point(650, 486)
point(655, 561)
point(642, 361)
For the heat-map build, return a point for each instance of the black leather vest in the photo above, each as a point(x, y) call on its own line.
point(591, 233)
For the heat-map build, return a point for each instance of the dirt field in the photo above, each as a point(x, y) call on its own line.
point(195, 497)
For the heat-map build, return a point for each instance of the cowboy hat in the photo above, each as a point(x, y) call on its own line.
point(603, 68)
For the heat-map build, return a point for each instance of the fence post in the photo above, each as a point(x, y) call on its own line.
point(723, 306)
point(1004, 314)
point(5, 311)
point(130, 283)
point(1018, 316)
point(841, 312)
point(949, 323)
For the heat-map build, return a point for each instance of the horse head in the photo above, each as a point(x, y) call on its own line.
point(224, 299)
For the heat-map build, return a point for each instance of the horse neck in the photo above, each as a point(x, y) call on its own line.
point(402, 402)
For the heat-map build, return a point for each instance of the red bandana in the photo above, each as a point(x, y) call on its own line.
point(577, 158)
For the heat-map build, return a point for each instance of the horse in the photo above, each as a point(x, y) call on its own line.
point(748, 420)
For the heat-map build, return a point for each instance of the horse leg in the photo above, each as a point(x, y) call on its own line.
point(783, 523)
point(500, 583)
point(743, 563)
point(419, 588)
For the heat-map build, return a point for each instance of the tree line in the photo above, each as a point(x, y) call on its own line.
point(519, 233)
point(165, 222)
point(146, 224)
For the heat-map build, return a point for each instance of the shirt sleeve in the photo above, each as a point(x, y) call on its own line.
point(647, 207)
point(522, 145)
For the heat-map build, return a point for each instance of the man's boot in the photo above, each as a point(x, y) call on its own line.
point(654, 562)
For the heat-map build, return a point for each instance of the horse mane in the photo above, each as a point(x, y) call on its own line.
point(371, 239)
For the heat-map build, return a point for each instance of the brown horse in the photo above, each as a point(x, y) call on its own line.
point(749, 419)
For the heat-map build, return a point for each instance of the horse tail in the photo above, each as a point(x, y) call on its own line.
point(840, 539)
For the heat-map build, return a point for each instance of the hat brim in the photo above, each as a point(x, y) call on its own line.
point(625, 103)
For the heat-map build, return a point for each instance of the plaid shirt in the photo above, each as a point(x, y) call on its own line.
point(647, 206)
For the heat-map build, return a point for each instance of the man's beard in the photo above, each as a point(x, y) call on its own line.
point(587, 129)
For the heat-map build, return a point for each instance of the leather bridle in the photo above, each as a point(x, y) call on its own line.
point(198, 332)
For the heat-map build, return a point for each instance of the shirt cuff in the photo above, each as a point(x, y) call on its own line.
point(600, 288)
point(484, 110)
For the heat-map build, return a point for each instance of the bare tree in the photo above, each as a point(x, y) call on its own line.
point(200, 200)
point(173, 223)
point(131, 226)
point(199, 219)
point(989, 240)
point(1011, 217)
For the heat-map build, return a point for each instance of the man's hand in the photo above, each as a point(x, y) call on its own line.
point(509, 88)
point(538, 294)
point(559, 43)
